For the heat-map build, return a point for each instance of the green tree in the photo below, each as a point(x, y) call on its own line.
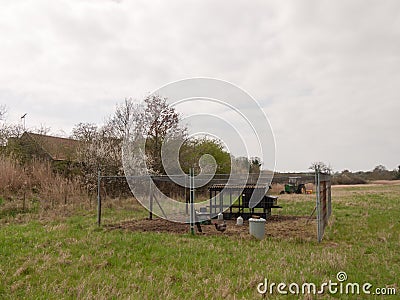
point(379, 169)
point(194, 149)
point(380, 172)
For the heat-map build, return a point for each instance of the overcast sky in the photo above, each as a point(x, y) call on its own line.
point(326, 73)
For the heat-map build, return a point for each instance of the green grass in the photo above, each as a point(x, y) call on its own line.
point(73, 258)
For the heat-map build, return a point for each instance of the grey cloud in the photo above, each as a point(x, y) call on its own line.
point(320, 69)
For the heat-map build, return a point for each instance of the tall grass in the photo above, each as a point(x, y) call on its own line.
point(36, 187)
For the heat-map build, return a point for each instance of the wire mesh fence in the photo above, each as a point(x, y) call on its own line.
point(190, 199)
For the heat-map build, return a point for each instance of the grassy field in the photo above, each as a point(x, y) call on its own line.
point(70, 257)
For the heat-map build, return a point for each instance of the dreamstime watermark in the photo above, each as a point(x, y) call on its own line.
point(341, 286)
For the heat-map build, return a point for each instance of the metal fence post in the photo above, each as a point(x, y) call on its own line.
point(98, 199)
point(191, 201)
point(151, 203)
point(186, 198)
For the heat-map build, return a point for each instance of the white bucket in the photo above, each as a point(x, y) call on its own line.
point(257, 228)
point(220, 217)
point(239, 221)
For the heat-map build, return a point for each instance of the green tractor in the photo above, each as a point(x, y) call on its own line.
point(294, 186)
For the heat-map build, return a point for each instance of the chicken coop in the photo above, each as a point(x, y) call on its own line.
point(233, 201)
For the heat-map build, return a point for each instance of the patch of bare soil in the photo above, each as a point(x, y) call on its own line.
point(285, 227)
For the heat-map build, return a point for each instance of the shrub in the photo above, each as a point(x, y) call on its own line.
point(20, 185)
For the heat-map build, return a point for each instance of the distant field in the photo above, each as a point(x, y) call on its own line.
point(70, 257)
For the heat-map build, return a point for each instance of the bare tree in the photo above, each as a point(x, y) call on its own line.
point(8, 131)
point(98, 151)
point(255, 165)
point(102, 148)
point(84, 132)
point(3, 111)
point(159, 120)
point(127, 118)
point(241, 165)
point(321, 166)
point(43, 129)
